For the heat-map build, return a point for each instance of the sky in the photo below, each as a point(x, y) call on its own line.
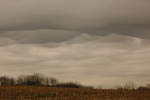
point(93, 42)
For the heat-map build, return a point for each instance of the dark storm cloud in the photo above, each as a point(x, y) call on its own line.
point(138, 31)
point(40, 36)
point(130, 18)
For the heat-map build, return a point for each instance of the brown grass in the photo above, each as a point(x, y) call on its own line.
point(55, 93)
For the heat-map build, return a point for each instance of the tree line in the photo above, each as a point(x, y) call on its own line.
point(38, 79)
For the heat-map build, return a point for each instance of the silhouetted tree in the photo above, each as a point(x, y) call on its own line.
point(28, 80)
point(39, 78)
point(142, 88)
point(129, 85)
point(4, 80)
point(21, 80)
point(47, 81)
point(12, 81)
point(36, 79)
point(53, 81)
point(69, 84)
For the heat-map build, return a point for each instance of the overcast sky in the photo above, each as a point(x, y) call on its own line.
point(94, 42)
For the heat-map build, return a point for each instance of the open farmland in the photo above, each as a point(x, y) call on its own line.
point(59, 93)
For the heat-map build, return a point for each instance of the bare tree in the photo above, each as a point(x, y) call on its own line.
point(129, 85)
point(28, 80)
point(39, 78)
point(12, 81)
point(32, 80)
point(21, 80)
point(47, 81)
point(35, 79)
point(53, 81)
point(4, 80)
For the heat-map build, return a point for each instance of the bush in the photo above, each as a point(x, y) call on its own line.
point(143, 88)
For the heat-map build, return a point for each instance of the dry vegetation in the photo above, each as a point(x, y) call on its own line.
point(59, 93)
point(39, 87)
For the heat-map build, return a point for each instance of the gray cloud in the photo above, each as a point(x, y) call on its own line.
point(40, 36)
point(130, 18)
point(92, 42)
point(99, 61)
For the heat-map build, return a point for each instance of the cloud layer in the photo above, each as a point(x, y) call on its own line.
point(94, 42)
point(97, 62)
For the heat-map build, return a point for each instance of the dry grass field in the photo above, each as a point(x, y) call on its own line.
point(58, 93)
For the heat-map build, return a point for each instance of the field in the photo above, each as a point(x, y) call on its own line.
point(59, 93)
